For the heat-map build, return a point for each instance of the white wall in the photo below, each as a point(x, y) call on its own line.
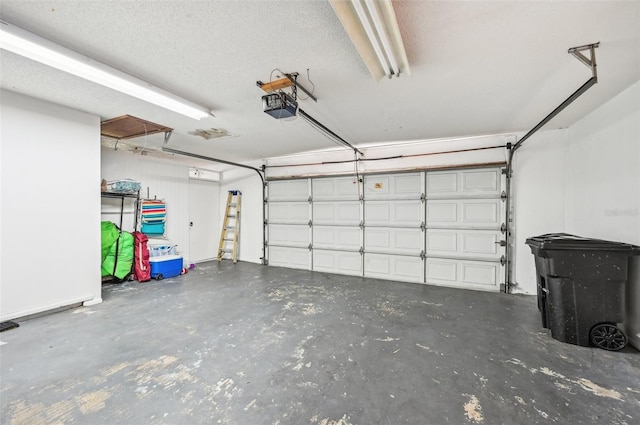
point(538, 199)
point(50, 206)
point(160, 179)
point(603, 185)
point(603, 171)
point(251, 215)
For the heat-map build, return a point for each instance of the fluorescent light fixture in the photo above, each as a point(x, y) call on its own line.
point(39, 49)
point(373, 29)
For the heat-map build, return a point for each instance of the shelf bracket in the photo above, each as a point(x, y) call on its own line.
point(167, 136)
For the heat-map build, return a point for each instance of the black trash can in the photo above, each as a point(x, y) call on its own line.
point(581, 286)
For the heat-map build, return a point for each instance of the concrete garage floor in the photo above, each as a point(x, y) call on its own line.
point(248, 344)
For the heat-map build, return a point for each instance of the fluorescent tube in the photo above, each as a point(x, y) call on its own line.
point(39, 49)
point(373, 28)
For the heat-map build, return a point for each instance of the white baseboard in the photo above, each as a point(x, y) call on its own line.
point(92, 302)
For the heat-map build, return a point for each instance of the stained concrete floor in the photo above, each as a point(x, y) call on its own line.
point(248, 344)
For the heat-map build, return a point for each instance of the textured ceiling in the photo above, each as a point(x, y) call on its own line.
point(477, 67)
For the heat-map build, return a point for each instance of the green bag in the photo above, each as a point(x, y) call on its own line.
point(109, 235)
point(124, 257)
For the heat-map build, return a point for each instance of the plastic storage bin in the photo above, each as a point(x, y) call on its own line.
point(165, 266)
point(581, 286)
point(160, 250)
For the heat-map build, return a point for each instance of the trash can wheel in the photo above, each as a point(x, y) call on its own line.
point(608, 337)
point(159, 276)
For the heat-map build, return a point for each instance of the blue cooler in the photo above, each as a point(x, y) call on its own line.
point(165, 266)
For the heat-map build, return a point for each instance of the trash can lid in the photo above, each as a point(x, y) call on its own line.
point(567, 241)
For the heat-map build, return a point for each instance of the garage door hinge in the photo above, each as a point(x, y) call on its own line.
point(423, 226)
point(309, 199)
point(503, 196)
point(361, 225)
point(266, 243)
point(423, 197)
point(503, 228)
point(266, 222)
point(361, 251)
point(310, 223)
point(503, 260)
point(310, 247)
point(423, 256)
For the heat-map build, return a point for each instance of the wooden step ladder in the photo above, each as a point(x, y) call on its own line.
point(231, 226)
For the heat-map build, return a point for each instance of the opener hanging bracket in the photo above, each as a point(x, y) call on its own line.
point(589, 62)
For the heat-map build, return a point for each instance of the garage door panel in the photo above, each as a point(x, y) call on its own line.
point(480, 243)
point(464, 183)
point(295, 258)
point(485, 212)
point(328, 237)
point(442, 212)
point(340, 213)
point(472, 213)
point(289, 212)
point(441, 270)
point(377, 212)
point(377, 265)
point(289, 235)
point(442, 242)
point(341, 188)
point(337, 262)
point(464, 243)
point(393, 186)
point(394, 240)
point(479, 275)
point(394, 267)
point(442, 183)
point(289, 190)
point(481, 181)
point(393, 213)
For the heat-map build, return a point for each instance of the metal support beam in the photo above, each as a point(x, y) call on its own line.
point(328, 132)
point(590, 82)
point(589, 62)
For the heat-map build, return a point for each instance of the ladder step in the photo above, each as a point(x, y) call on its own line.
point(231, 225)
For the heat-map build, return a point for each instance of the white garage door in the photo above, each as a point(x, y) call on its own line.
point(289, 232)
point(393, 232)
point(336, 231)
point(440, 227)
point(464, 214)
